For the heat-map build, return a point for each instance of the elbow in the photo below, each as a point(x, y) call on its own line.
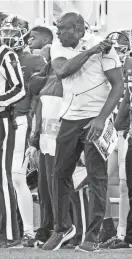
point(61, 74)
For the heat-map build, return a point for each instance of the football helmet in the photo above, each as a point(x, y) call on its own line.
point(12, 31)
point(121, 40)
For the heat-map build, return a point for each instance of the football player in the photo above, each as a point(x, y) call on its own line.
point(116, 162)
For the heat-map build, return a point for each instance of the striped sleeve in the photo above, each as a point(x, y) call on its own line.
point(14, 90)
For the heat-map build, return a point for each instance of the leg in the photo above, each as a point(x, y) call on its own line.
point(19, 169)
point(68, 151)
point(128, 237)
point(108, 229)
point(44, 189)
point(124, 201)
point(97, 178)
point(9, 224)
point(77, 217)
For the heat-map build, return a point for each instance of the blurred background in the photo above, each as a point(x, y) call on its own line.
point(103, 15)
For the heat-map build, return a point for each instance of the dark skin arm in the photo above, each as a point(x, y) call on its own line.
point(64, 68)
point(123, 110)
point(115, 77)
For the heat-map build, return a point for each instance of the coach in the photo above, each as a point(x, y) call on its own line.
point(92, 86)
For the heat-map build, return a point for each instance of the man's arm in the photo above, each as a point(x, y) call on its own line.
point(14, 77)
point(123, 110)
point(96, 126)
point(34, 139)
point(65, 68)
point(115, 77)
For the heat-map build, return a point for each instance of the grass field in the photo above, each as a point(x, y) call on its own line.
point(29, 253)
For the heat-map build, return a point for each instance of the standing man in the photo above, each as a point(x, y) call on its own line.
point(92, 86)
point(11, 91)
point(125, 111)
point(13, 30)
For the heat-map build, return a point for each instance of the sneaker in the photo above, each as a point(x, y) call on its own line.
point(87, 246)
point(108, 243)
point(28, 241)
point(121, 244)
point(106, 235)
point(58, 238)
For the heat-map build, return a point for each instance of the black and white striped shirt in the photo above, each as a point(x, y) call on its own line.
point(11, 78)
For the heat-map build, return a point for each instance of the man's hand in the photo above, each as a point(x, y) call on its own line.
point(103, 47)
point(33, 150)
point(96, 127)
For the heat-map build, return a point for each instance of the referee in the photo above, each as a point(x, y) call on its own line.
point(11, 91)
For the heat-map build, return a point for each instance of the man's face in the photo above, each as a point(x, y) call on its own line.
point(35, 40)
point(67, 34)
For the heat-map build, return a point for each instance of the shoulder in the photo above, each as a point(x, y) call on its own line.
point(57, 50)
point(111, 60)
point(56, 45)
point(90, 40)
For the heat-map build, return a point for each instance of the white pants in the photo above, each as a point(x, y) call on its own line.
point(19, 170)
point(116, 163)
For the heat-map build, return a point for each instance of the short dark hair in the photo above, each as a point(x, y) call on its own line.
point(44, 31)
point(74, 18)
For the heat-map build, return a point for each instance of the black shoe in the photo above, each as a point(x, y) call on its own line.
point(87, 246)
point(121, 244)
point(58, 238)
point(108, 243)
point(28, 241)
point(108, 231)
point(41, 237)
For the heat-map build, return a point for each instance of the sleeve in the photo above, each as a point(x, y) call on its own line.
point(110, 60)
point(57, 51)
point(14, 78)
